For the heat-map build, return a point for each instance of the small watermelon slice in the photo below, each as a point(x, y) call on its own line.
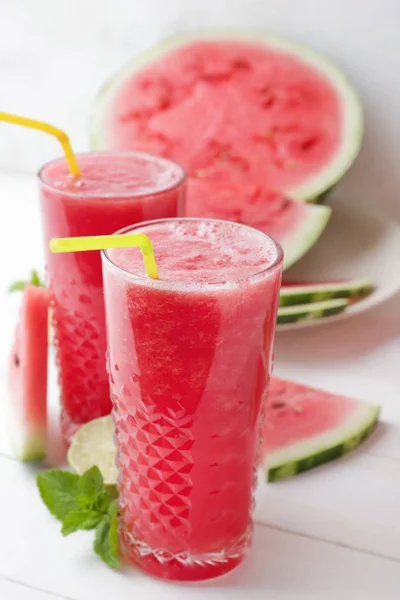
point(306, 427)
point(27, 376)
point(304, 292)
point(311, 311)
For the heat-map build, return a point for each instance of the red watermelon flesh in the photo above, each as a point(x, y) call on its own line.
point(27, 376)
point(256, 113)
point(270, 212)
point(305, 427)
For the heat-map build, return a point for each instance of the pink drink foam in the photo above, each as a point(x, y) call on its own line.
point(200, 252)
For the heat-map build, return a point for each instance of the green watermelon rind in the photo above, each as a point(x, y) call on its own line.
point(322, 448)
point(311, 311)
point(353, 124)
point(34, 446)
point(319, 292)
point(305, 235)
point(29, 442)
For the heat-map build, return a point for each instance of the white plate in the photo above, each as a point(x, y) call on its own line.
point(355, 244)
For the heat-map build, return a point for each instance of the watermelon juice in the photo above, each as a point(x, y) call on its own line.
point(189, 362)
point(116, 189)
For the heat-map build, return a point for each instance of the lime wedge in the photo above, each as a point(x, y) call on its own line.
point(93, 444)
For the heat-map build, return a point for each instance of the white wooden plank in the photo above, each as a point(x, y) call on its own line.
point(353, 502)
point(282, 566)
point(10, 590)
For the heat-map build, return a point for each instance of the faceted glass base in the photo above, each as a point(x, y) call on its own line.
point(178, 568)
point(183, 566)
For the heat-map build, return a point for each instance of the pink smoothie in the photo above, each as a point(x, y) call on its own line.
point(190, 359)
point(116, 189)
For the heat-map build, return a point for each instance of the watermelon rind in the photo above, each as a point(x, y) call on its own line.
point(28, 441)
point(305, 235)
point(34, 446)
point(318, 292)
point(353, 124)
point(311, 311)
point(325, 447)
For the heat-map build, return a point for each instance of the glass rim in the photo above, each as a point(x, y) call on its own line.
point(132, 194)
point(185, 285)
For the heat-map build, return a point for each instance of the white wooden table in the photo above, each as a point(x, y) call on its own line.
point(331, 534)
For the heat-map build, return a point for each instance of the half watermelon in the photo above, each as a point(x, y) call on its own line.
point(27, 376)
point(306, 427)
point(245, 113)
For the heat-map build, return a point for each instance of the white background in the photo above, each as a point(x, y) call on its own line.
point(55, 54)
point(330, 534)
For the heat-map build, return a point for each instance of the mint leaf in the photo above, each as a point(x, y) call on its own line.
point(35, 279)
point(17, 286)
point(80, 519)
point(106, 541)
point(59, 490)
point(102, 502)
point(85, 502)
point(91, 483)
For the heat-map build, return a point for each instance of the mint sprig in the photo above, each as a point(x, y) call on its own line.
point(83, 503)
point(19, 286)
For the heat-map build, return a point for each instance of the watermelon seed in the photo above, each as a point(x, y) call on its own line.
point(309, 143)
point(241, 63)
point(16, 360)
point(277, 405)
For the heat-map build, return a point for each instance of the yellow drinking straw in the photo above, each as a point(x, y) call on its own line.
point(46, 128)
point(104, 242)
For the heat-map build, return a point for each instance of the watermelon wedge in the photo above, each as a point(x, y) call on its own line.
point(306, 427)
point(296, 225)
point(292, 293)
point(245, 113)
point(311, 311)
point(27, 376)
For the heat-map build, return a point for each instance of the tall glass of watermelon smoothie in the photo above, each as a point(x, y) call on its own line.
point(189, 362)
point(116, 189)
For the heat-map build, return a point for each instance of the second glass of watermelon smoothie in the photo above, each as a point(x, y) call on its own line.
point(115, 189)
point(189, 361)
